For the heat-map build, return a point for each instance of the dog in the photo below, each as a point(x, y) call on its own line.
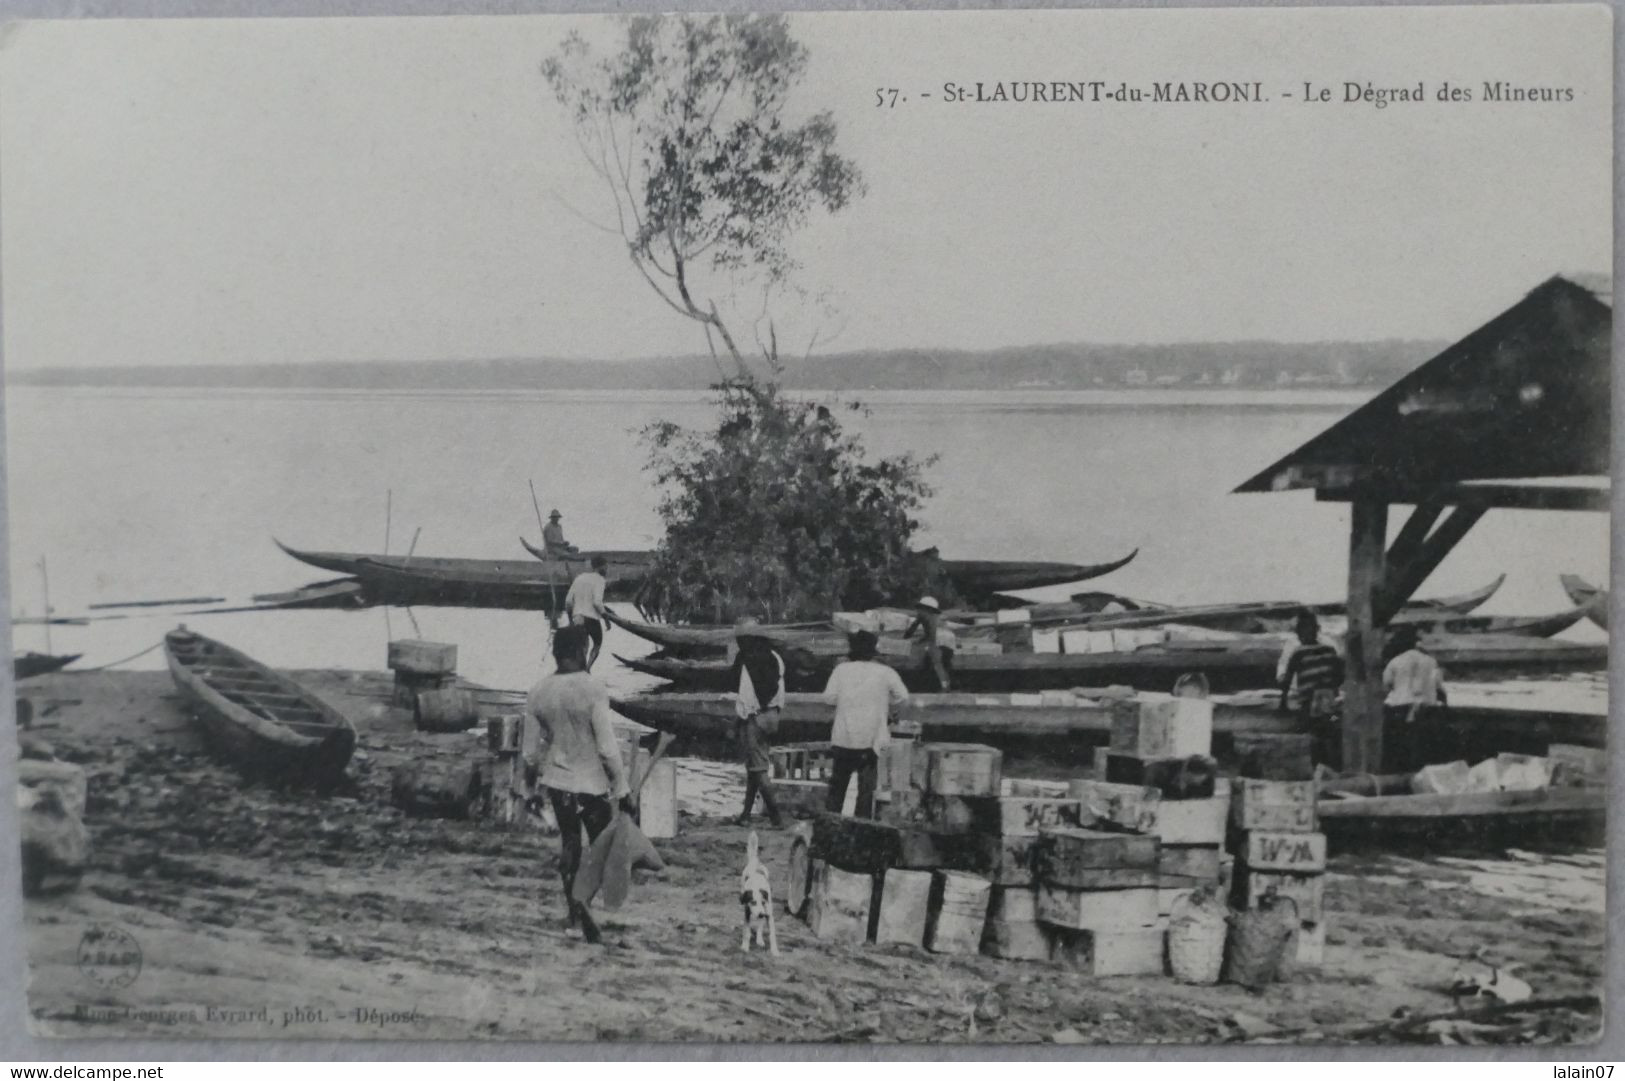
point(756, 895)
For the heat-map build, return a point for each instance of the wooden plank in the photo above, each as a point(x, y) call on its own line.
point(1098, 910)
point(905, 906)
point(1479, 495)
point(1296, 852)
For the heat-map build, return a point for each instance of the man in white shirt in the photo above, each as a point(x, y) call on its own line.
point(1414, 683)
point(866, 694)
point(585, 603)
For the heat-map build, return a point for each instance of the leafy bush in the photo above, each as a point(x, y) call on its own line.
point(780, 514)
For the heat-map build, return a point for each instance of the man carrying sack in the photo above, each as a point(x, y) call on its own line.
point(758, 679)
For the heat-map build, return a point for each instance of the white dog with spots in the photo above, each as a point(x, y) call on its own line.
point(756, 895)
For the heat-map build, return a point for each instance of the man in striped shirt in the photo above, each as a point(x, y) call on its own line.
point(1310, 673)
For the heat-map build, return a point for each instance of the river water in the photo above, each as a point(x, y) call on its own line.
point(133, 494)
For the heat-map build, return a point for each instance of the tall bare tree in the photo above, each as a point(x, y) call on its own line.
point(688, 125)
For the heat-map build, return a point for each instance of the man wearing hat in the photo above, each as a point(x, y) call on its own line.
point(940, 642)
point(1414, 684)
point(758, 679)
point(553, 537)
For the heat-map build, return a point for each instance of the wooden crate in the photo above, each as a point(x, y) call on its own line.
point(1193, 821)
point(421, 658)
point(800, 761)
point(1162, 726)
point(839, 903)
point(857, 844)
point(1099, 910)
point(1133, 807)
point(1299, 853)
point(905, 907)
point(959, 904)
point(1274, 757)
point(1093, 859)
point(1308, 892)
point(1110, 953)
point(997, 815)
point(1574, 766)
point(802, 798)
point(1199, 861)
point(956, 769)
point(1280, 806)
point(1014, 932)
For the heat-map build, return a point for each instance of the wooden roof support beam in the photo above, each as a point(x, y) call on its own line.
point(1403, 579)
point(1362, 697)
point(1508, 496)
point(1413, 533)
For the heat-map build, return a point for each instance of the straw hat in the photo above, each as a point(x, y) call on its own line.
point(555, 516)
point(931, 603)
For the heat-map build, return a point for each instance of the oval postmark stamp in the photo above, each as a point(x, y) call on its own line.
point(109, 955)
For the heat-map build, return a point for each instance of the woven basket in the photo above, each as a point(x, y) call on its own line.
point(1258, 941)
point(1197, 928)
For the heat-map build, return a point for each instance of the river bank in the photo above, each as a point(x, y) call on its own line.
point(264, 914)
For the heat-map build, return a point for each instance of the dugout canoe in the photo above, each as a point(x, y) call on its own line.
point(1054, 722)
point(1239, 662)
point(259, 720)
point(701, 639)
point(1590, 597)
point(1560, 817)
point(28, 665)
point(974, 577)
point(522, 584)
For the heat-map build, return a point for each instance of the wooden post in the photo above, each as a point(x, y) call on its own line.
point(1362, 696)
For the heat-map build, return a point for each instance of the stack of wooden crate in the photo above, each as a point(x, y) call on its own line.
point(421, 666)
point(1157, 827)
point(953, 841)
point(1273, 833)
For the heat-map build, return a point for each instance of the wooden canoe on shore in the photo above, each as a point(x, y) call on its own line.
point(1566, 817)
point(823, 637)
point(1060, 724)
point(26, 665)
point(264, 723)
point(1590, 597)
point(1244, 662)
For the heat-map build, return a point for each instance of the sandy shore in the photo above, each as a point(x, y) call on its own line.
point(260, 914)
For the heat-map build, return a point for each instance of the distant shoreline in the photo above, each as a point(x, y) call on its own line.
point(1210, 367)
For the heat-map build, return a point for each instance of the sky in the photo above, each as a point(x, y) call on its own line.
point(181, 192)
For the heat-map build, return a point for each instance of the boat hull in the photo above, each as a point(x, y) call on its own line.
point(1588, 596)
point(263, 723)
point(1551, 817)
point(1242, 663)
point(28, 665)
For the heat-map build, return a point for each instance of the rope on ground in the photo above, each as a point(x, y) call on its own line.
point(124, 660)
